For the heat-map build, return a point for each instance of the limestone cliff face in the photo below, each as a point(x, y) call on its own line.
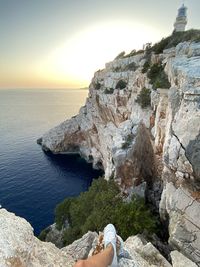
point(181, 152)
point(136, 145)
point(107, 131)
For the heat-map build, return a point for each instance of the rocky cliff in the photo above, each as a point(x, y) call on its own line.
point(157, 145)
point(19, 248)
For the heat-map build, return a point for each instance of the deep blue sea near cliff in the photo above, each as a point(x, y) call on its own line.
point(32, 182)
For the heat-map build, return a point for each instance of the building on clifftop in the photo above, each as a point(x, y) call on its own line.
point(181, 19)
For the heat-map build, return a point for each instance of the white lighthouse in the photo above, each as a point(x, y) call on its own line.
point(181, 19)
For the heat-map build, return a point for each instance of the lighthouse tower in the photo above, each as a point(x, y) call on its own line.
point(181, 19)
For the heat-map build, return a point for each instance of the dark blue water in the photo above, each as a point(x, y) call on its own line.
point(32, 182)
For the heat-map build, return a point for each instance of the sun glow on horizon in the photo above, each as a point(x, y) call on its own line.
point(80, 56)
point(60, 44)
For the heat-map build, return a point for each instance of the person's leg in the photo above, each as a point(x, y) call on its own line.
point(108, 256)
point(103, 259)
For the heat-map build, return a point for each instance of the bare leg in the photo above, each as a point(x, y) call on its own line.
point(103, 259)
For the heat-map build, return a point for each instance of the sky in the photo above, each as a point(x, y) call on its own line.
point(61, 43)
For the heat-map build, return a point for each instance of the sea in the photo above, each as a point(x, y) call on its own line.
point(32, 182)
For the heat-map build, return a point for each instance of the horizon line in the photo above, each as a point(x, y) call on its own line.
point(44, 88)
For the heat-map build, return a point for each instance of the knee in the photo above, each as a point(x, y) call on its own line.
point(80, 263)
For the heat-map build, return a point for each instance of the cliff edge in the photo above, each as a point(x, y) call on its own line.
point(20, 248)
point(141, 125)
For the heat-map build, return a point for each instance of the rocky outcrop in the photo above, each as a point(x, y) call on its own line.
point(52, 234)
point(180, 197)
point(81, 248)
point(107, 130)
point(158, 146)
point(179, 260)
point(143, 253)
point(184, 213)
point(19, 248)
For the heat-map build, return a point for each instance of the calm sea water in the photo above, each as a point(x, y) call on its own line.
point(32, 182)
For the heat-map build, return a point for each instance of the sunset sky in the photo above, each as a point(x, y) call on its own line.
point(60, 43)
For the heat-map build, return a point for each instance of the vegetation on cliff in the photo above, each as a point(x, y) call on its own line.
point(103, 204)
point(128, 141)
point(108, 91)
point(121, 84)
point(158, 77)
point(173, 40)
point(176, 38)
point(144, 98)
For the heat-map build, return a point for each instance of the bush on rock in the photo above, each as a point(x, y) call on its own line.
point(158, 77)
point(100, 205)
point(121, 84)
point(144, 98)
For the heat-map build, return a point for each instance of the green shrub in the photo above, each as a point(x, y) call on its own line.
point(171, 41)
point(158, 77)
point(132, 218)
point(97, 86)
point(154, 72)
point(71, 234)
point(108, 91)
point(117, 69)
point(121, 84)
point(62, 213)
point(128, 141)
point(43, 234)
point(144, 98)
point(103, 204)
point(176, 38)
point(161, 82)
point(132, 66)
point(133, 53)
point(90, 211)
point(146, 66)
point(121, 55)
point(160, 46)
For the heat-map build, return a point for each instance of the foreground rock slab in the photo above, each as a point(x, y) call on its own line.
point(20, 248)
point(179, 260)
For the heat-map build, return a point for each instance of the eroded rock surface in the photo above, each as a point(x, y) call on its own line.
point(53, 235)
point(107, 130)
point(20, 248)
point(179, 260)
point(80, 249)
point(129, 142)
point(144, 253)
point(180, 197)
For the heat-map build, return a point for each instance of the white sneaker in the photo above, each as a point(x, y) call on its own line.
point(110, 237)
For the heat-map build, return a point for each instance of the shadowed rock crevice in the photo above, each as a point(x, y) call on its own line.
point(139, 163)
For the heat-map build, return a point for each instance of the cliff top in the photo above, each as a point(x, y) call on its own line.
point(170, 41)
